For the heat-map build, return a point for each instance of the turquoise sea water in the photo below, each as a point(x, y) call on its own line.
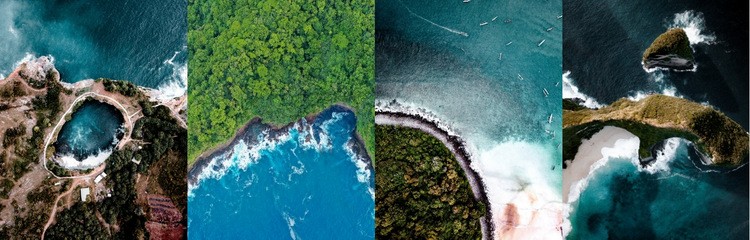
point(288, 188)
point(140, 41)
point(495, 84)
point(423, 58)
point(685, 200)
point(94, 127)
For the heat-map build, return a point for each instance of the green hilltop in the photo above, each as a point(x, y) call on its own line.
point(673, 41)
point(658, 117)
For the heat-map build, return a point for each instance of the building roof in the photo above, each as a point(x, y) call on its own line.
point(84, 194)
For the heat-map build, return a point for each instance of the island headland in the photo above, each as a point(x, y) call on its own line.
point(670, 50)
point(132, 192)
point(657, 117)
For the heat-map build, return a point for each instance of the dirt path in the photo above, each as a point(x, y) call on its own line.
point(52, 214)
point(104, 223)
point(79, 180)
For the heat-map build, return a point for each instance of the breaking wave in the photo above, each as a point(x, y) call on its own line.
point(694, 25)
point(570, 90)
point(177, 85)
point(302, 134)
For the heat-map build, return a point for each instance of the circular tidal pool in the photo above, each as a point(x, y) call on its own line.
point(92, 131)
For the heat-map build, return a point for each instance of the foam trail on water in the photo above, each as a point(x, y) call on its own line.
point(571, 91)
point(462, 33)
point(694, 25)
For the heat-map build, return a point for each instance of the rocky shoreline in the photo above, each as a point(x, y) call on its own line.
point(455, 144)
point(252, 129)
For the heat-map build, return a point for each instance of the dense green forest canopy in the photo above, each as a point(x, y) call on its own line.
point(279, 60)
point(422, 191)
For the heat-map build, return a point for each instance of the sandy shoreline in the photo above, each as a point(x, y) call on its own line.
point(589, 153)
point(249, 132)
point(456, 145)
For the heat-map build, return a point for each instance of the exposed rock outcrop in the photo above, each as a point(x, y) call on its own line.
point(670, 50)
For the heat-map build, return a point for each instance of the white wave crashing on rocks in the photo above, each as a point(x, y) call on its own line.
point(570, 90)
point(177, 85)
point(694, 25)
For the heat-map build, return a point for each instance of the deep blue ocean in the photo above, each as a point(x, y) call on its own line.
point(603, 44)
point(93, 127)
point(139, 41)
point(287, 188)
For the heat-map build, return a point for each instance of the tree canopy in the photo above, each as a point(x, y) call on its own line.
point(278, 60)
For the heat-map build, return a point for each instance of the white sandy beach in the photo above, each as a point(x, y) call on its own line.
point(591, 152)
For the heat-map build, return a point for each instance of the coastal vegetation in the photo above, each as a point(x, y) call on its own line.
point(280, 61)
point(647, 134)
point(166, 143)
point(422, 192)
point(125, 88)
point(673, 41)
point(659, 117)
point(20, 149)
point(151, 162)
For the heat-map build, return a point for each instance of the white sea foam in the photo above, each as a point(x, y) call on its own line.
point(242, 155)
point(609, 144)
point(177, 85)
point(624, 149)
point(363, 172)
point(396, 106)
point(290, 224)
point(664, 156)
point(694, 25)
point(518, 173)
point(69, 161)
point(513, 172)
point(28, 57)
point(664, 87)
point(570, 90)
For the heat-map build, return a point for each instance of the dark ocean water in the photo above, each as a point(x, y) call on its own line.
point(603, 44)
point(604, 41)
point(92, 128)
point(287, 188)
point(140, 41)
